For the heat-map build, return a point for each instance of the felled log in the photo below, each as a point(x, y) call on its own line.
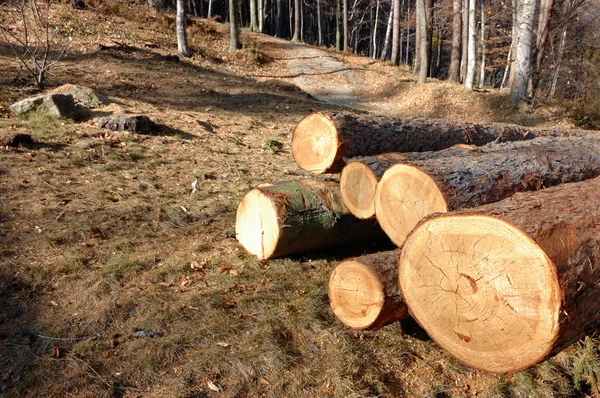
point(410, 191)
point(514, 282)
point(360, 176)
point(364, 292)
point(296, 216)
point(321, 140)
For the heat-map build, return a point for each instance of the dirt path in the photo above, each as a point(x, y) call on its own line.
point(328, 79)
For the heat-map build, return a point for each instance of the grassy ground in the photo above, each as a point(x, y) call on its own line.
point(117, 280)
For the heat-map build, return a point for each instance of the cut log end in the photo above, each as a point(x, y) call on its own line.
point(256, 225)
point(483, 290)
point(356, 294)
point(404, 196)
point(315, 144)
point(358, 184)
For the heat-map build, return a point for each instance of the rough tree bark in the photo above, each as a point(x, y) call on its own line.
point(180, 23)
point(296, 216)
point(364, 292)
point(482, 65)
point(464, 41)
point(509, 284)
point(321, 140)
point(345, 21)
point(525, 17)
point(409, 191)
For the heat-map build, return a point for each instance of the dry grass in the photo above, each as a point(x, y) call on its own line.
point(117, 280)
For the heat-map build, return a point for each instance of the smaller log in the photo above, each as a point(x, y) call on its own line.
point(364, 292)
point(508, 284)
point(360, 176)
point(411, 190)
point(278, 219)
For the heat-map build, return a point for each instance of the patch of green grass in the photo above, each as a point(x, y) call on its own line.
point(122, 267)
point(586, 366)
point(126, 156)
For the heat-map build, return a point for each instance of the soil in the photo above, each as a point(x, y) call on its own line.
point(120, 273)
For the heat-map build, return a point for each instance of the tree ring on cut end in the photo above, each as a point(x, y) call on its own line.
point(358, 184)
point(257, 226)
point(356, 294)
point(404, 196)
point(315, 143)
point(483, 290)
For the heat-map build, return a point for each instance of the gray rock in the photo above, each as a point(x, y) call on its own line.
point(134, 124)
point(58, 105)
point(84, 96)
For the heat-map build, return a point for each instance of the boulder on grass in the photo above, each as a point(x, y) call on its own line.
point(83, 96)
point(134, 124)
point(58, 105)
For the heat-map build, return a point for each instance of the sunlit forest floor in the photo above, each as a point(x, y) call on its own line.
point(118, 279)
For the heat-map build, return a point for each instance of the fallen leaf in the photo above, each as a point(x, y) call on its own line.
point(264, 381)
point(233, 272)
point(214, 387)
point(54, 303)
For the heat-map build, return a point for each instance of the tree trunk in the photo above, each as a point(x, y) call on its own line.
point(296, 216)
point(471, 56)
point(540, 42)
point(359, 178)
point(506, 69)
point(423, 42)
point(559, 56)
point(395, 56)
point(345, 21)
point(338, 25)
point(364, 292)
point(209, 12)
point(388, 33)
point(375, 28)
point(507, 285)
point(513, 44)
point(180, 22)
point(482, 66)
point(319, 23)
point(525, 17)
point(321, 140)
point(253, 18)
point(297, 18)
point(261, 15)
point(234, 33)
point(407, 32)
point(410, 191)
point(465, 41)
point(280, 20)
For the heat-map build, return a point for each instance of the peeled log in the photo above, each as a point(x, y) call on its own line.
point(321, 140)
point(512, 284)
point(364, 292)
point(296, 216)
point(408, 192)
point(359, 178)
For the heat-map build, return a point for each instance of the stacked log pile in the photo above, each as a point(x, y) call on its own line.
point(497, 267)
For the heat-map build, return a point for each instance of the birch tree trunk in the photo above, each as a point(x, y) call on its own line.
point(525, 17)
point(465, 41)
point(297, 18)
point(209, 13)
point(395, 32)
point(471, 62)
point(180, 22)
point(388, 32)
point(253, 19)
point(261, 16)
point(454, 73)
point(319, 23)
point(513, 44)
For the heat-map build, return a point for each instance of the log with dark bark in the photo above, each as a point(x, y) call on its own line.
point(410, 191)
point(359, 178)
point(364, 292)
point(294, 216)
point(321, 140)
point(506, 285)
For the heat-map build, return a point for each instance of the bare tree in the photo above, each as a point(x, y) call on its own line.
point(345, 22)
point(39, 44)
point(297, 19)
point(525, 17)
point(423, 42)
point(338, 25)
point(454, 73)
point(319, 23)
point(471, 60)
point(482, 64)
point(464, 40)
point(180, 22)
point(234, 33)
point(388, 32)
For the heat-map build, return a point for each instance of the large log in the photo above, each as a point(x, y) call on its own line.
point(410, 191)
point(364, 292)
point(321, 140)
point(294, 216)
point(514, 282)
point(360, 176)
